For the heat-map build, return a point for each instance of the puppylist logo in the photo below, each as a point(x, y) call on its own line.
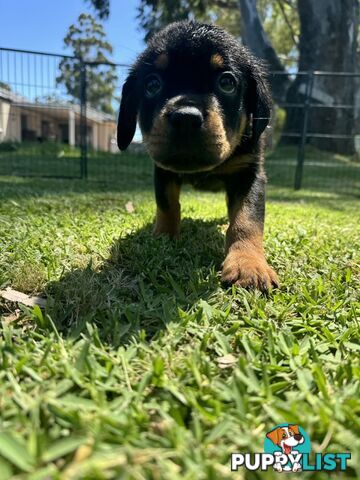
point(287, 448)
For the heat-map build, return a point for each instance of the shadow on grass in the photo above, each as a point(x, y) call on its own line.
point(142, 285)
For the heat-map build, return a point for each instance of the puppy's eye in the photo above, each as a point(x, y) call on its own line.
point(153, 85)
point(284, 435)
point(227, 83)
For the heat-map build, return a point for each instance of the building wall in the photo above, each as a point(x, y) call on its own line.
point(10, 129)
point(101, 134)
point(106, 132)
point(2, 121)
point(34, 119)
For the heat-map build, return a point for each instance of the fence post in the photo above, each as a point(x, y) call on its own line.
point(301, 152)
point(83, 121)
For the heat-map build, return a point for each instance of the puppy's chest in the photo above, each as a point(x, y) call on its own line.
point(204, 181)
point(216, 179)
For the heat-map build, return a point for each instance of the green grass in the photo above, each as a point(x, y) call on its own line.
point(323, 171)
point(120, 376)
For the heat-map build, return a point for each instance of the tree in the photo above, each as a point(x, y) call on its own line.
point(102, 7)
point(328, 42)
point(281, 22)
point(5, 86)
point(88, 42)
point(301, 34)
point(51, 99)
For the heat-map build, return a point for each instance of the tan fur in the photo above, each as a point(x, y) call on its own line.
point(216, 140)
point(162, 61)
point(242, 227)
point(245, 263)
point(215, 130)
point(156, 139)
point(217, 61)
point(168, 221)
point(235, 163)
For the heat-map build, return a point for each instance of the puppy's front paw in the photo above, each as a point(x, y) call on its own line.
point(167, 223)
point(248, 270)
point(167, 230)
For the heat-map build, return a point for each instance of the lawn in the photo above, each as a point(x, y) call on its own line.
point(123, 375)
point(323, 171)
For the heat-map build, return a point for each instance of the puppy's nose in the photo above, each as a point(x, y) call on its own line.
point(298, 437)
point(186, 118)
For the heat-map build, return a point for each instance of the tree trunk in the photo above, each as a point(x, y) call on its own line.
point(328, 42)
point(256, 39)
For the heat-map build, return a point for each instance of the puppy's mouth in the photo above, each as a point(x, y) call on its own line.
point(185, 155)
point(199, 152)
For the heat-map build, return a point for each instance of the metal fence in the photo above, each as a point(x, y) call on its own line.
point(46, 131)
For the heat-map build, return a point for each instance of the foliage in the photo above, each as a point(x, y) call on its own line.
point(280, 19)
point(5, 86)
point(87, 40)
point(121, 376)
point(281, 23)
point(155, 14)
point(102, 7)
point(9, 146)
point(52, 99)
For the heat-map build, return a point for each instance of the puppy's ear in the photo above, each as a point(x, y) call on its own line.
point(260, 101)
point(128, 113)
point(274, 436)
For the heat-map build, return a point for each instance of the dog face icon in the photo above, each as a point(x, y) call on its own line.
point(286, 438)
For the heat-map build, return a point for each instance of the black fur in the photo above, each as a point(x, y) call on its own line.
point(189, 46)
point(188, 80)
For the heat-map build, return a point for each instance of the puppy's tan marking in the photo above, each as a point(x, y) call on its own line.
point(245, 264)
point(162, 61)
point(217, 61)
point(235, 163)
point(215, 137)
point(214, 126)
point(157, 139)
point(168, 221)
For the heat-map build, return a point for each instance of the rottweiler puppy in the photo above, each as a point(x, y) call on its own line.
point(202, 102)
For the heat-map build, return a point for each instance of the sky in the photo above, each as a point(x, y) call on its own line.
point(42, 25)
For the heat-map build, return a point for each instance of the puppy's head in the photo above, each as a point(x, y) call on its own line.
point(197, 94)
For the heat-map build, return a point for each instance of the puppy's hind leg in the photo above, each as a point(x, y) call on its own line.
point(167, 193)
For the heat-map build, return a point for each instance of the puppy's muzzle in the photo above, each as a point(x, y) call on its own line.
point(186, 119)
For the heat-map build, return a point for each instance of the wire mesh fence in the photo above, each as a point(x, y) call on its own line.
point(49, 129)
